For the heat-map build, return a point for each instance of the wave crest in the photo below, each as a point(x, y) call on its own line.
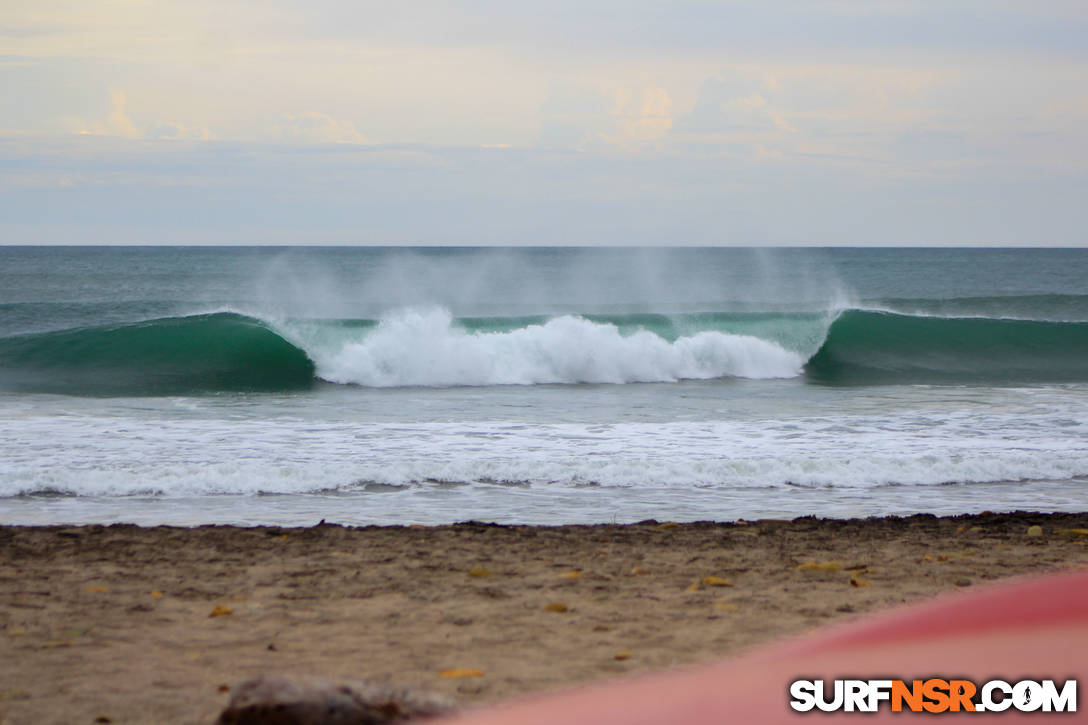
point(426, 348)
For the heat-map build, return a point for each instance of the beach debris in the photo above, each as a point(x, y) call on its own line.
point(1072, 533)
point(716, 581)
point(1035, 530)
point(827, 566)
point(94, 589)
point(459, 672)
point(695, 587)
point(725, 606)
point(571, 575)
point(480, 572)
point(857, 580)
point(639, 571)
point(623, 655)
point(221, 610)
point(277, 700)
point(556, 607)
point(156, 594)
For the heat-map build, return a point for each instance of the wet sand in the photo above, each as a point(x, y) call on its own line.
point(115, 622)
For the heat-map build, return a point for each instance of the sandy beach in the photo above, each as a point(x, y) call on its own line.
point(128, 624)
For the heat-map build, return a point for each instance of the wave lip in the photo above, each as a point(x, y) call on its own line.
point(876, 347)
point(222, 351)
point(426, 348)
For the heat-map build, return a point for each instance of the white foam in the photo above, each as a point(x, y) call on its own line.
point(423, 347)
point(89, 455)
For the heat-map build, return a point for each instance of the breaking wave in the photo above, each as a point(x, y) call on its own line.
point(427, 348)
point(228, 351)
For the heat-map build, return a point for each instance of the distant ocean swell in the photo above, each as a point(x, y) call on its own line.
point(227, 351)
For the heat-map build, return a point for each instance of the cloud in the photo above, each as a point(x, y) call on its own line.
point(118, 123)
point(573, 115)
point(314, 127)
point(733, 101)
point(584, 116)
point(644, 115)
point(175, 130)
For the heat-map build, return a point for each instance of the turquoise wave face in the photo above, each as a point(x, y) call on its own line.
point(880, 347)
point(202, 353)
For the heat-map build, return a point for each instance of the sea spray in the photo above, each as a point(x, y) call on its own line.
point(477, 282)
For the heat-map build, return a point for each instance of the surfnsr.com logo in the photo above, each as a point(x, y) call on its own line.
point(933, 695)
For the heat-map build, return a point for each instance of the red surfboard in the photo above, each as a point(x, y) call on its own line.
point(1028, 629)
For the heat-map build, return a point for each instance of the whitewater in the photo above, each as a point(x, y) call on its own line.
point(543, 386)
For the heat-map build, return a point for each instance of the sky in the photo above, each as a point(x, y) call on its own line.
point(692, 122)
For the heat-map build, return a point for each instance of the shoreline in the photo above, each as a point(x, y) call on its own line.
point(115, 621)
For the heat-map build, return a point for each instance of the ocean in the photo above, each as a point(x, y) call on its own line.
point(262, 385)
